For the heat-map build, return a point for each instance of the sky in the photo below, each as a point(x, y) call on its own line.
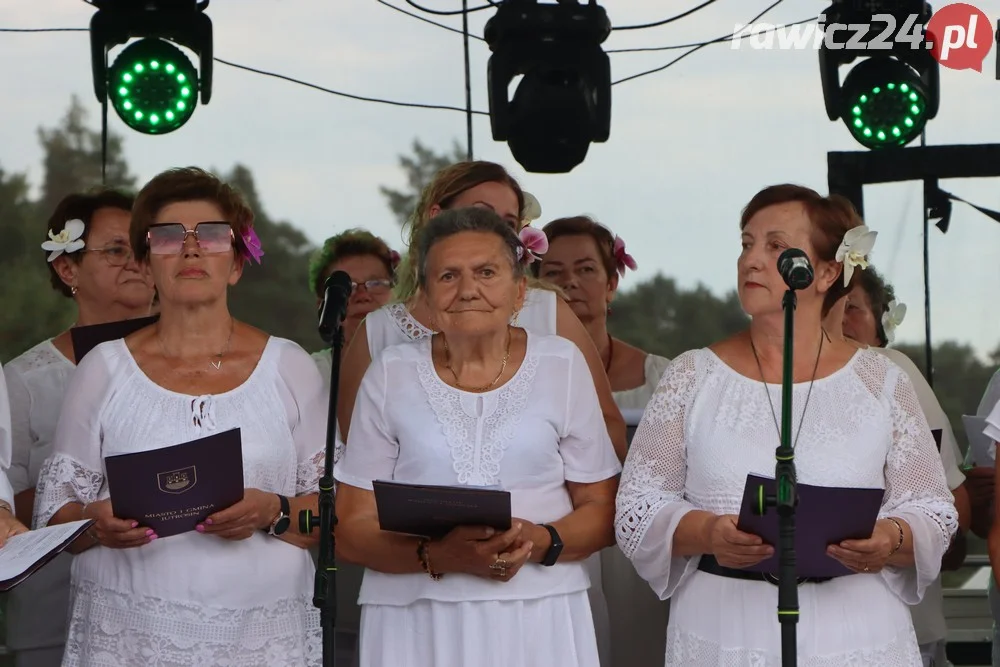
point(689, 146)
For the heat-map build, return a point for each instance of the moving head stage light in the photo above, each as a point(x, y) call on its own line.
point(887, 99)
point(563, 102)
point(152, 85)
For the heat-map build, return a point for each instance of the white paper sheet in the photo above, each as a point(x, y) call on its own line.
point(22, 552)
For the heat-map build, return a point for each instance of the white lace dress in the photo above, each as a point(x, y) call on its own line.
point(544, 427)
point(37, 382)
point(704, 430)
point(190, 599)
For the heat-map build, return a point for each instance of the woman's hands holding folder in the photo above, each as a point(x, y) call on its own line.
point(240, 521)
point(114, 533)
point(9, 525)
point(734, 548)
point(474, 549)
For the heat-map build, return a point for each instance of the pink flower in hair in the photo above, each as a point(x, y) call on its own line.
point(622, 258)
point(394, 259)
point(535, 242)
point(252, 243)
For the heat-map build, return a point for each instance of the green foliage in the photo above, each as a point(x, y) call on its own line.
point(274, 295)
point(420, 169)
point(659, 317)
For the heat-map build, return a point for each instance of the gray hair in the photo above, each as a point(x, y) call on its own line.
point(472, 219)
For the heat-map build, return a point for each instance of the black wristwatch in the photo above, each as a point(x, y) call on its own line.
point(552, 555)
point(283, 520)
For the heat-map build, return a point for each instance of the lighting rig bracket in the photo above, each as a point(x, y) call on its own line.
point(180, 21)
point(900, 46)
point(563, 102)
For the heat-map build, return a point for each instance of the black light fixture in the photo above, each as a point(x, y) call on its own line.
point(887, 98)
point(152, 84)
point(563, 102)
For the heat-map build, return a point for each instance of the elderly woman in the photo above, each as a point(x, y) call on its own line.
point(713, 420)
point(480, 403)
point(236, 591)
point(90, 262)
point(370, 263)
point(586, 261)
point(865, 312)
point(481, 185)
point(9, 525)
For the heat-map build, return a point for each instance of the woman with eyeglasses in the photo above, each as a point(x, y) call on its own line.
point(90, 262)
point(370, 263)
point(238, 589)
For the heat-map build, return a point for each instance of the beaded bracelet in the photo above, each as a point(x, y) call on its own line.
point(899, 544)
point(425, 560)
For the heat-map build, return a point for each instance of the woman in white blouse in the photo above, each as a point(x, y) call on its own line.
point(466, 184)
point(712, 421)
point(93, 266)
point(9, 525)
point(238, 590)
point(480, 403)
point(586, 260)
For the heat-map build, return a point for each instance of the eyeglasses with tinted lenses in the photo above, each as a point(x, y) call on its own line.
point(168, 238)
point(372, 286)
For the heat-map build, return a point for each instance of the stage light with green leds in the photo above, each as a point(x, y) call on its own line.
point(153, 87)
point(885, 103)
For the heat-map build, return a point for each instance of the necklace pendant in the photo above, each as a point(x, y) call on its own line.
point(217, 364)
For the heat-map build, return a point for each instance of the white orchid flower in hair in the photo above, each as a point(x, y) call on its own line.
point(854, 249)
point(532, 209)
point(892, 318)
point(66, 241)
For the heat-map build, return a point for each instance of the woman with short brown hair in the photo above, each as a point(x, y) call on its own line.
point(856, 423)
point(238, 589)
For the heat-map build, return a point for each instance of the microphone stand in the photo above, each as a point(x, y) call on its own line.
point(785, 499)
point(325, 586)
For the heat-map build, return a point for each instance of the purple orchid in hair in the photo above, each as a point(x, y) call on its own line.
point(252, 243)
point(622, 258)
point(394, 259)
point(535, 242)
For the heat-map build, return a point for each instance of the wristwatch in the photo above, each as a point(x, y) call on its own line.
point(283, 520)
point(552, 555)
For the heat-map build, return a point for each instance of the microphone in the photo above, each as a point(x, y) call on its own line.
point(336, 292)
point(795, 269)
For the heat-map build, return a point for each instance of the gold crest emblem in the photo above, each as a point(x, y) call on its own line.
point(177, 481)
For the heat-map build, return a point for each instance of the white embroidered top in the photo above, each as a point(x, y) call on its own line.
point(705, 429)
point(37, 382)
point(542, 428)
point(190, 599)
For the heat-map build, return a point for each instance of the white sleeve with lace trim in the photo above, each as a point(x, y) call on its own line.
point(651, 499)
point(74, 473)
point(306, 402)
point(915, 491)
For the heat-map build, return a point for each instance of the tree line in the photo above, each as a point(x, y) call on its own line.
point(656, 315)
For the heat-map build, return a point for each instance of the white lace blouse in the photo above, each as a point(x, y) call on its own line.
point(544, 427)
point(705, 429)
point(190, 599)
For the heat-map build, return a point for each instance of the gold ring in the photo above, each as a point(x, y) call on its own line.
point(500, 567)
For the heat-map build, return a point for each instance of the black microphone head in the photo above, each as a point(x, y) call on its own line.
point(795, 269)
point(339, 282)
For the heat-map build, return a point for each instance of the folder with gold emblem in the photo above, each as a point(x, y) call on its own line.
point(173, 489)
